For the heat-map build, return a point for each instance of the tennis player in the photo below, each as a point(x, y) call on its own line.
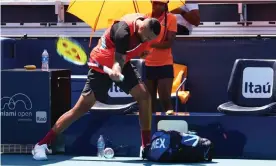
point(124, 40)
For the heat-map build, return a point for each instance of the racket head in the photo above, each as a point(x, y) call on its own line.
point(71, 50)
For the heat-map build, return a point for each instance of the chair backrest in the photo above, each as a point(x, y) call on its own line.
point(176, 125)
point(180, 72)
point(253, 82)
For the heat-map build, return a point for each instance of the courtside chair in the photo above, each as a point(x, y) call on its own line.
point(252, 88)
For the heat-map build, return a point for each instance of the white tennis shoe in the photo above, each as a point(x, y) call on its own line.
point(39, 152)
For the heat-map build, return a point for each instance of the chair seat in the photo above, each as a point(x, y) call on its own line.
point(182, 95)
point(115, 109)
point(231, 108)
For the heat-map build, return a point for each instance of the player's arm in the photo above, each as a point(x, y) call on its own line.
point(119, 60)
point(192, 16)
point(167, 43)
point(170, 35)
point(121, 41)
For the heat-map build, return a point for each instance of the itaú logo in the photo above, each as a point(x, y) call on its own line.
point(250, 87)
point(257, 82)
point(115, 91)
point(41, 117)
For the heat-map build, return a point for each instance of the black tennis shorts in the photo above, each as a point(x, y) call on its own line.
point(100, 83)
point(159, 72)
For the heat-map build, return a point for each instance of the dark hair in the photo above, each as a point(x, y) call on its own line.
point(166, 22)
point(154, 26)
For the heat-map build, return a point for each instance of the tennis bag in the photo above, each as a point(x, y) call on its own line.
point(172, 146)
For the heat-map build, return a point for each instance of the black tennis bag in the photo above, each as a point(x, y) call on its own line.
point(172, 146)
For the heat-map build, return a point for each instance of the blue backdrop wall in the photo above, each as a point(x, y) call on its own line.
point(209, 62)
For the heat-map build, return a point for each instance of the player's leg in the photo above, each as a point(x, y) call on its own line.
point(96, 86)
point(132, 84)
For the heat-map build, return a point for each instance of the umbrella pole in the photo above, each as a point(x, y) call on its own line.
point(96, 23)
point(135, 6)
point(70, 5)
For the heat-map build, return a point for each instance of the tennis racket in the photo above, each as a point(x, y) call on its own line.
point(74, 53)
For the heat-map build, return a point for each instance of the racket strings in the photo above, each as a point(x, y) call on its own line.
point(71, 51)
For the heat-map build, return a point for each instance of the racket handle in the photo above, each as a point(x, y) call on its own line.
point(122, 77)
point(108, 71)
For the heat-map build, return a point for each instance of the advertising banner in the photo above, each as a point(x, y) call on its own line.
point(25, 105)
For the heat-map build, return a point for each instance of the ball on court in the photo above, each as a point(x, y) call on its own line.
point(108, 153)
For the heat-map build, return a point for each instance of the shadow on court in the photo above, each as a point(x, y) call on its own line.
point(27, 160)
point(133, 162)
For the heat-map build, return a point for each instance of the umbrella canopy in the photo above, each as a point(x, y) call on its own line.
point(100, 14)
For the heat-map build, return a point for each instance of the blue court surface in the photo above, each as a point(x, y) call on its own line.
point(60, 160)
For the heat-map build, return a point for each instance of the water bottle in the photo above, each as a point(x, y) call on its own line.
point(45, 61)
point(101, 146)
